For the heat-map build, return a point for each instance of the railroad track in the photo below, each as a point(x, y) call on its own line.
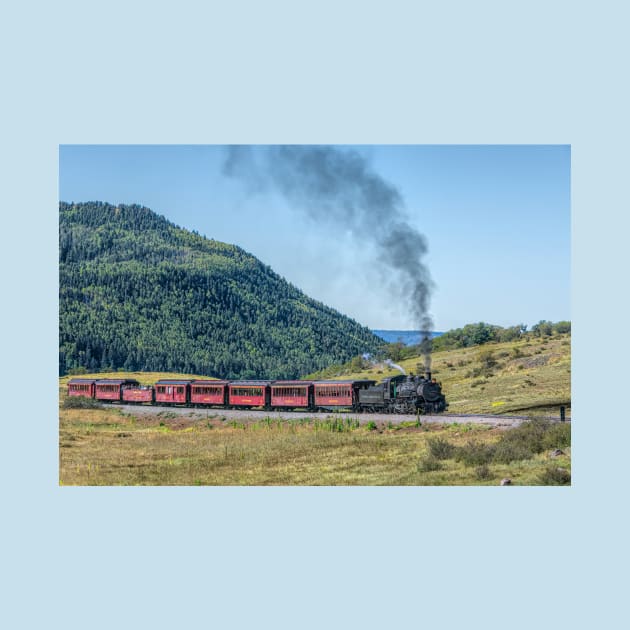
point(252, 415)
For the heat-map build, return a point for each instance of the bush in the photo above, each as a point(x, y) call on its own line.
point(554, 476)
point(557, 436)
point(487, 359)
point(483, 472)
point(475, 453)
point(428, 463)
point(439, 448)
point(81, 402)
point(562, 327)
point(507, 452)
point(542, 329)
point(527, 436)
point(371, 425)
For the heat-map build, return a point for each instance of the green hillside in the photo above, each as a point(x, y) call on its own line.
point(530, 375)
point(141, 294)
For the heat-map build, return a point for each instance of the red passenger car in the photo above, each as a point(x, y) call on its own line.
point(249, 393)
point(138, 394)
point(81, 387)
point(112, 388)
point(172, 391)
point(208, 392)
point(289, 394)
point(339, 393)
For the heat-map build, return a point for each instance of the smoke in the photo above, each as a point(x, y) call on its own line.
point(340, 188)
point(395, 366)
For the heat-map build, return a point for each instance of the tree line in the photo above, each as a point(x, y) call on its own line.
point(476, 335)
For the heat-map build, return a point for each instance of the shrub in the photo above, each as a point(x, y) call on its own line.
point(554, 476)
point(483, 472)
point(371, 425)
point(475, 453)
point(528, 436)
point(542, 329)
point(557, 436)
point(428, 463)
point(510, 451)
point(81, 402)
point(440, 448)
point(487, 359)
point(562, 327)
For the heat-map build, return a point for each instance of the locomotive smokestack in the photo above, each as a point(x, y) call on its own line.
point(426, 345)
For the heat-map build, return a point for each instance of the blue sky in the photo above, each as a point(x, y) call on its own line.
point(497, 220)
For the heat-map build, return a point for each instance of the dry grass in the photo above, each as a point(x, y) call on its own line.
point(534, 378)
point(531, 377)
point(107, 447)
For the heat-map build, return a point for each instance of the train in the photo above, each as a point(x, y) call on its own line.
point(402, 394)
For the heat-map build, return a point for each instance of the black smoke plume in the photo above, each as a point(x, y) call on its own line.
point(339, 186)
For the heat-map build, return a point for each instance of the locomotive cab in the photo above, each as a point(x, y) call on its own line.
point(391, 386)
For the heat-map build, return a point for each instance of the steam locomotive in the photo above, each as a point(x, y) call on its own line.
point(404, 394)
point(399, 394)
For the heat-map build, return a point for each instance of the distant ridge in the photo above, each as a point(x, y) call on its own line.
point(140, 293)
point(408, 337)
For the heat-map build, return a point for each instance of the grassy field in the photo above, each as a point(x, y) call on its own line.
point(108, 447)
point(104, 446)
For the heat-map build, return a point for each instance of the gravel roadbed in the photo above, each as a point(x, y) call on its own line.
point(252, 415)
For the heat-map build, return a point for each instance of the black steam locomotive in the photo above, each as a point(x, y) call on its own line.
point(404, 394)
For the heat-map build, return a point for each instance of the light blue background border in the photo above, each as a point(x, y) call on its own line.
point(397, 72)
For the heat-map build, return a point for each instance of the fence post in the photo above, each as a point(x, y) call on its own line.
point(562, 413)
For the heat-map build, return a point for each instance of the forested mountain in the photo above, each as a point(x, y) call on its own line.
point(139, 293)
